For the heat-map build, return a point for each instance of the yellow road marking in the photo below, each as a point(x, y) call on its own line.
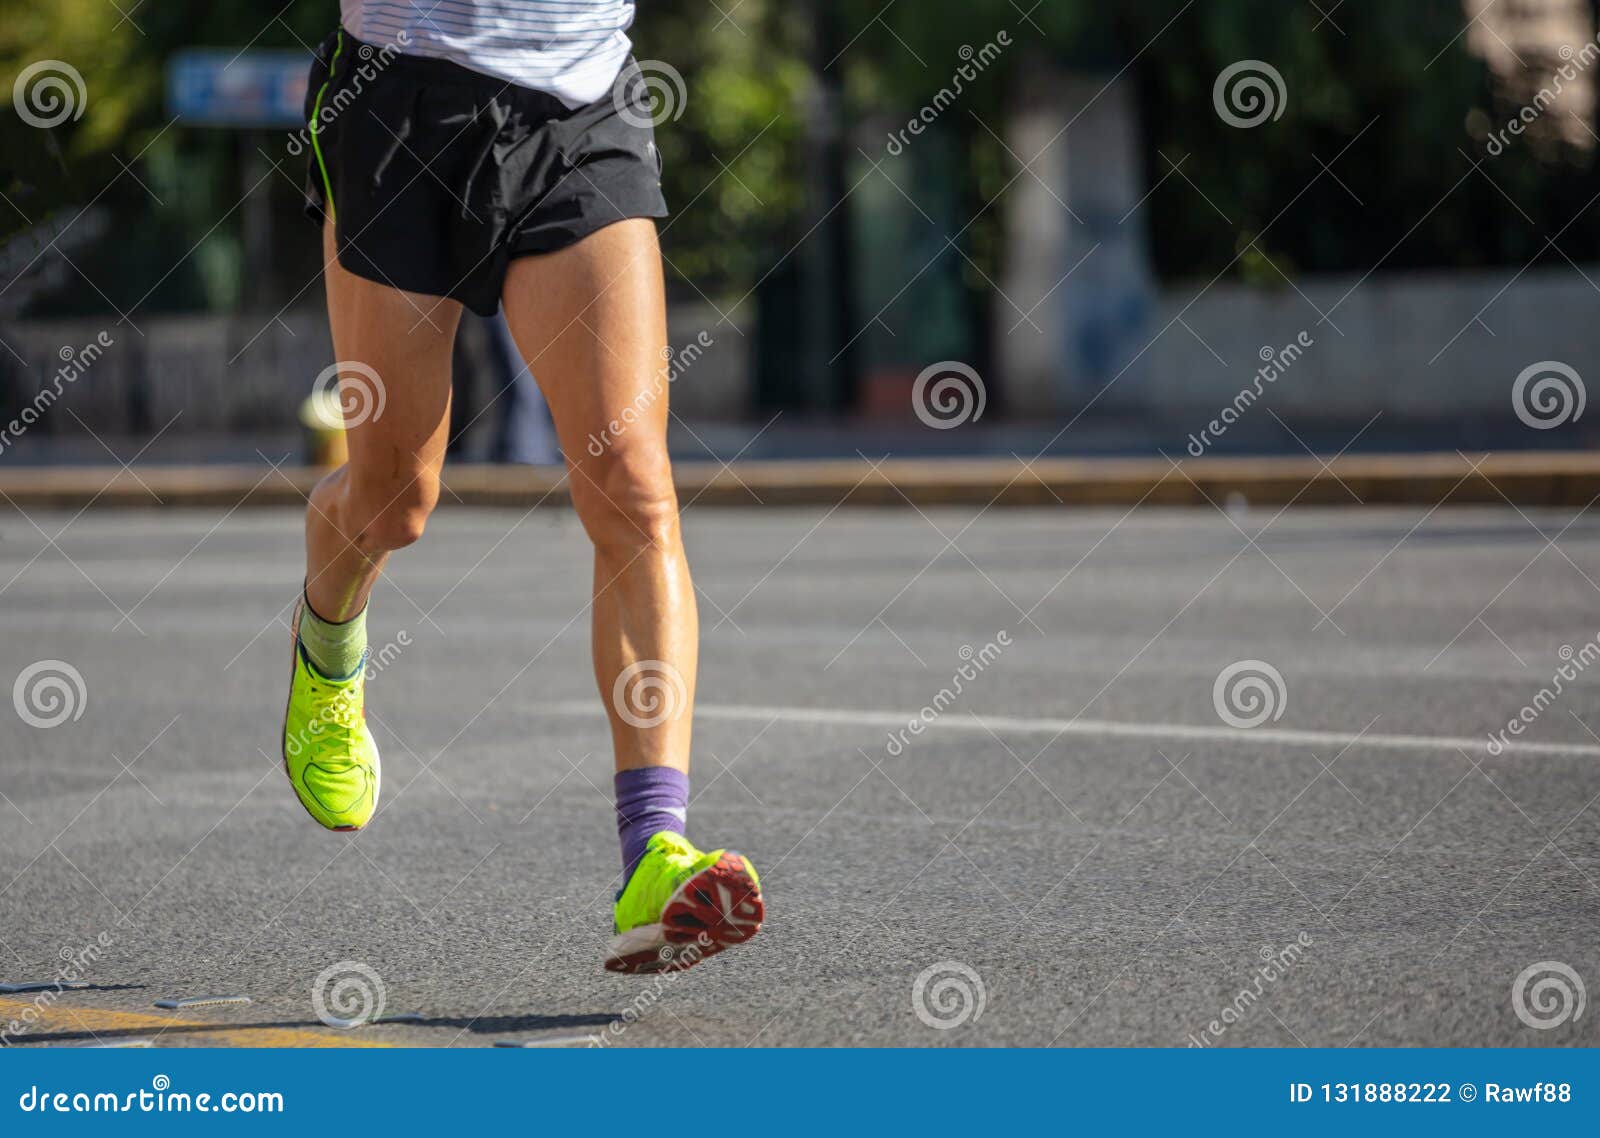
point(55, 1016)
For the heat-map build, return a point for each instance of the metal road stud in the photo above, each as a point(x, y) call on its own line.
point(352, 1024)
point(200, 1002)
point(548, 1041)
point(400, 1017)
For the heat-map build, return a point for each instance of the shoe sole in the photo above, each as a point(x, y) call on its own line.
point(283, 734)
point(717, 908)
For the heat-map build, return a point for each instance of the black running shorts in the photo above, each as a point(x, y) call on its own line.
point(436, 176)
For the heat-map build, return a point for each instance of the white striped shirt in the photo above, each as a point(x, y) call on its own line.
point(572, 49)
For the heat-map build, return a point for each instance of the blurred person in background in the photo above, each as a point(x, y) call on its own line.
point(473, 154)
point(522, 433)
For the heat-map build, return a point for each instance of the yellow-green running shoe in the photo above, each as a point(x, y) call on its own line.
point(682, 905)
point(328, 753)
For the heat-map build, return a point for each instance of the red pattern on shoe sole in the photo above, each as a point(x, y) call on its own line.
point(719, 907)
point(722, 903)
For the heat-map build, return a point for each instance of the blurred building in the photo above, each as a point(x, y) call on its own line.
point(1526, 44)
point(1078, 291)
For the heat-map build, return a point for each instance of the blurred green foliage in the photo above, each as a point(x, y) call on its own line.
point(1383, 93)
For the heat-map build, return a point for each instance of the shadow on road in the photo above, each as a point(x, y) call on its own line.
point(488, 1025)
point(483, 1025)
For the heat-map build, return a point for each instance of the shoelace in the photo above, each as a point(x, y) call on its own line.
point(338, 709)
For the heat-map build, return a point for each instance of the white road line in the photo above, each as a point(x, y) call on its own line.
point(955, 721)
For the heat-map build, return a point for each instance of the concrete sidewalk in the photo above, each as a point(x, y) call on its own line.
point(1526, 479)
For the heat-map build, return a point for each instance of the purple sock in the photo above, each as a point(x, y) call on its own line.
point(649, 800)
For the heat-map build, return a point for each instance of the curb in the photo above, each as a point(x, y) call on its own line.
point(1525, 479)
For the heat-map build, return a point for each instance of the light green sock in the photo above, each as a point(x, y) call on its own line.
point(333, 649)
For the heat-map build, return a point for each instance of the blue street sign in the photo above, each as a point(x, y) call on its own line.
point(216, 87)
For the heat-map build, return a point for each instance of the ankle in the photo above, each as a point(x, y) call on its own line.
point(336, 650)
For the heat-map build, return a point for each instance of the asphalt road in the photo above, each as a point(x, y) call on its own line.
point(1079, 830)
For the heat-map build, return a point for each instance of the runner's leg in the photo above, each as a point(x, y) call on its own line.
point(395, 388)
point(380, 499)
point(590, 320)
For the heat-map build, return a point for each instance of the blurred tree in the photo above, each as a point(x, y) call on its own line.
point(1387, 96)
point(732, 168)
point(1384, 93)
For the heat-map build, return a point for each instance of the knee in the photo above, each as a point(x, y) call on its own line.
point(626, 500)
point(394, 516)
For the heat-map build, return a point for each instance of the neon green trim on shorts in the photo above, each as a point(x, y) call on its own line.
point(316, 114)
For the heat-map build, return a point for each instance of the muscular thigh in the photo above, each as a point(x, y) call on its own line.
point(393, 349)
point(591, 322)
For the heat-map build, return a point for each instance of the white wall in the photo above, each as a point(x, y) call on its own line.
point(237, 373)
point(1429, 347)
